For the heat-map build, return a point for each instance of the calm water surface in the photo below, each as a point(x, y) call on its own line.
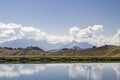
point(77, 71)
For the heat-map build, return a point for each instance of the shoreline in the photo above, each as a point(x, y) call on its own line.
point(58, 59)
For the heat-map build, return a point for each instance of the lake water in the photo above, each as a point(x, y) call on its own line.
point(75, 71)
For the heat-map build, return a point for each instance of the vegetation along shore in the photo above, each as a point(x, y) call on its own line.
point(107, 53)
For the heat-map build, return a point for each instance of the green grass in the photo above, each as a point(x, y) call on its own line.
point(57, 59)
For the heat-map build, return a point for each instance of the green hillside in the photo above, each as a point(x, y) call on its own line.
point(35, 51)
point(100, 51)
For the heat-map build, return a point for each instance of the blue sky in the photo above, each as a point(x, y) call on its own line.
point(57, 16)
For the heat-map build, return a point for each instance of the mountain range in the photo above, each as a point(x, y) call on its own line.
point(107, 50)
point(45, 45)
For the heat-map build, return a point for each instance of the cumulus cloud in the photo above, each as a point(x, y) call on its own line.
point(12, 31)
point(85, 33)
point(91, 34)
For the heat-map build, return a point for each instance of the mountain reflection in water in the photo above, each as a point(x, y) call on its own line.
point(78, 71)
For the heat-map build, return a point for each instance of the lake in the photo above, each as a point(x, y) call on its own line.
point(72, 71)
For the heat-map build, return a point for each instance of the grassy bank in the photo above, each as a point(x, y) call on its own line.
point(59, 59)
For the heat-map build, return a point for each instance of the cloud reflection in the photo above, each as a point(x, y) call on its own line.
point(91, 71)
point(19, 69)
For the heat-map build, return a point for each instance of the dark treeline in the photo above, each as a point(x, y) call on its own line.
point(10, 48)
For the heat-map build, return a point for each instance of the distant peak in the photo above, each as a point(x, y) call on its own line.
point(74, 42)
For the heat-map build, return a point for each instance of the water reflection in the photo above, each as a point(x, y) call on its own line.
point(83, 71)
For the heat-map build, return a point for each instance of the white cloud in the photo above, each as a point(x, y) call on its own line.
point(88, 32)
point(91, 34)
point(12, 31)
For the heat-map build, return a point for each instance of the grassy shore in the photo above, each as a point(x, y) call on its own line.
point(56, 59)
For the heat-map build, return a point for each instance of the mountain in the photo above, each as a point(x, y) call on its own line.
point(73, 45)
point(44, 44)
point(82, 45)
point(54, 50)
point(27, 42)
point(76, 48)
point(73, 48)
